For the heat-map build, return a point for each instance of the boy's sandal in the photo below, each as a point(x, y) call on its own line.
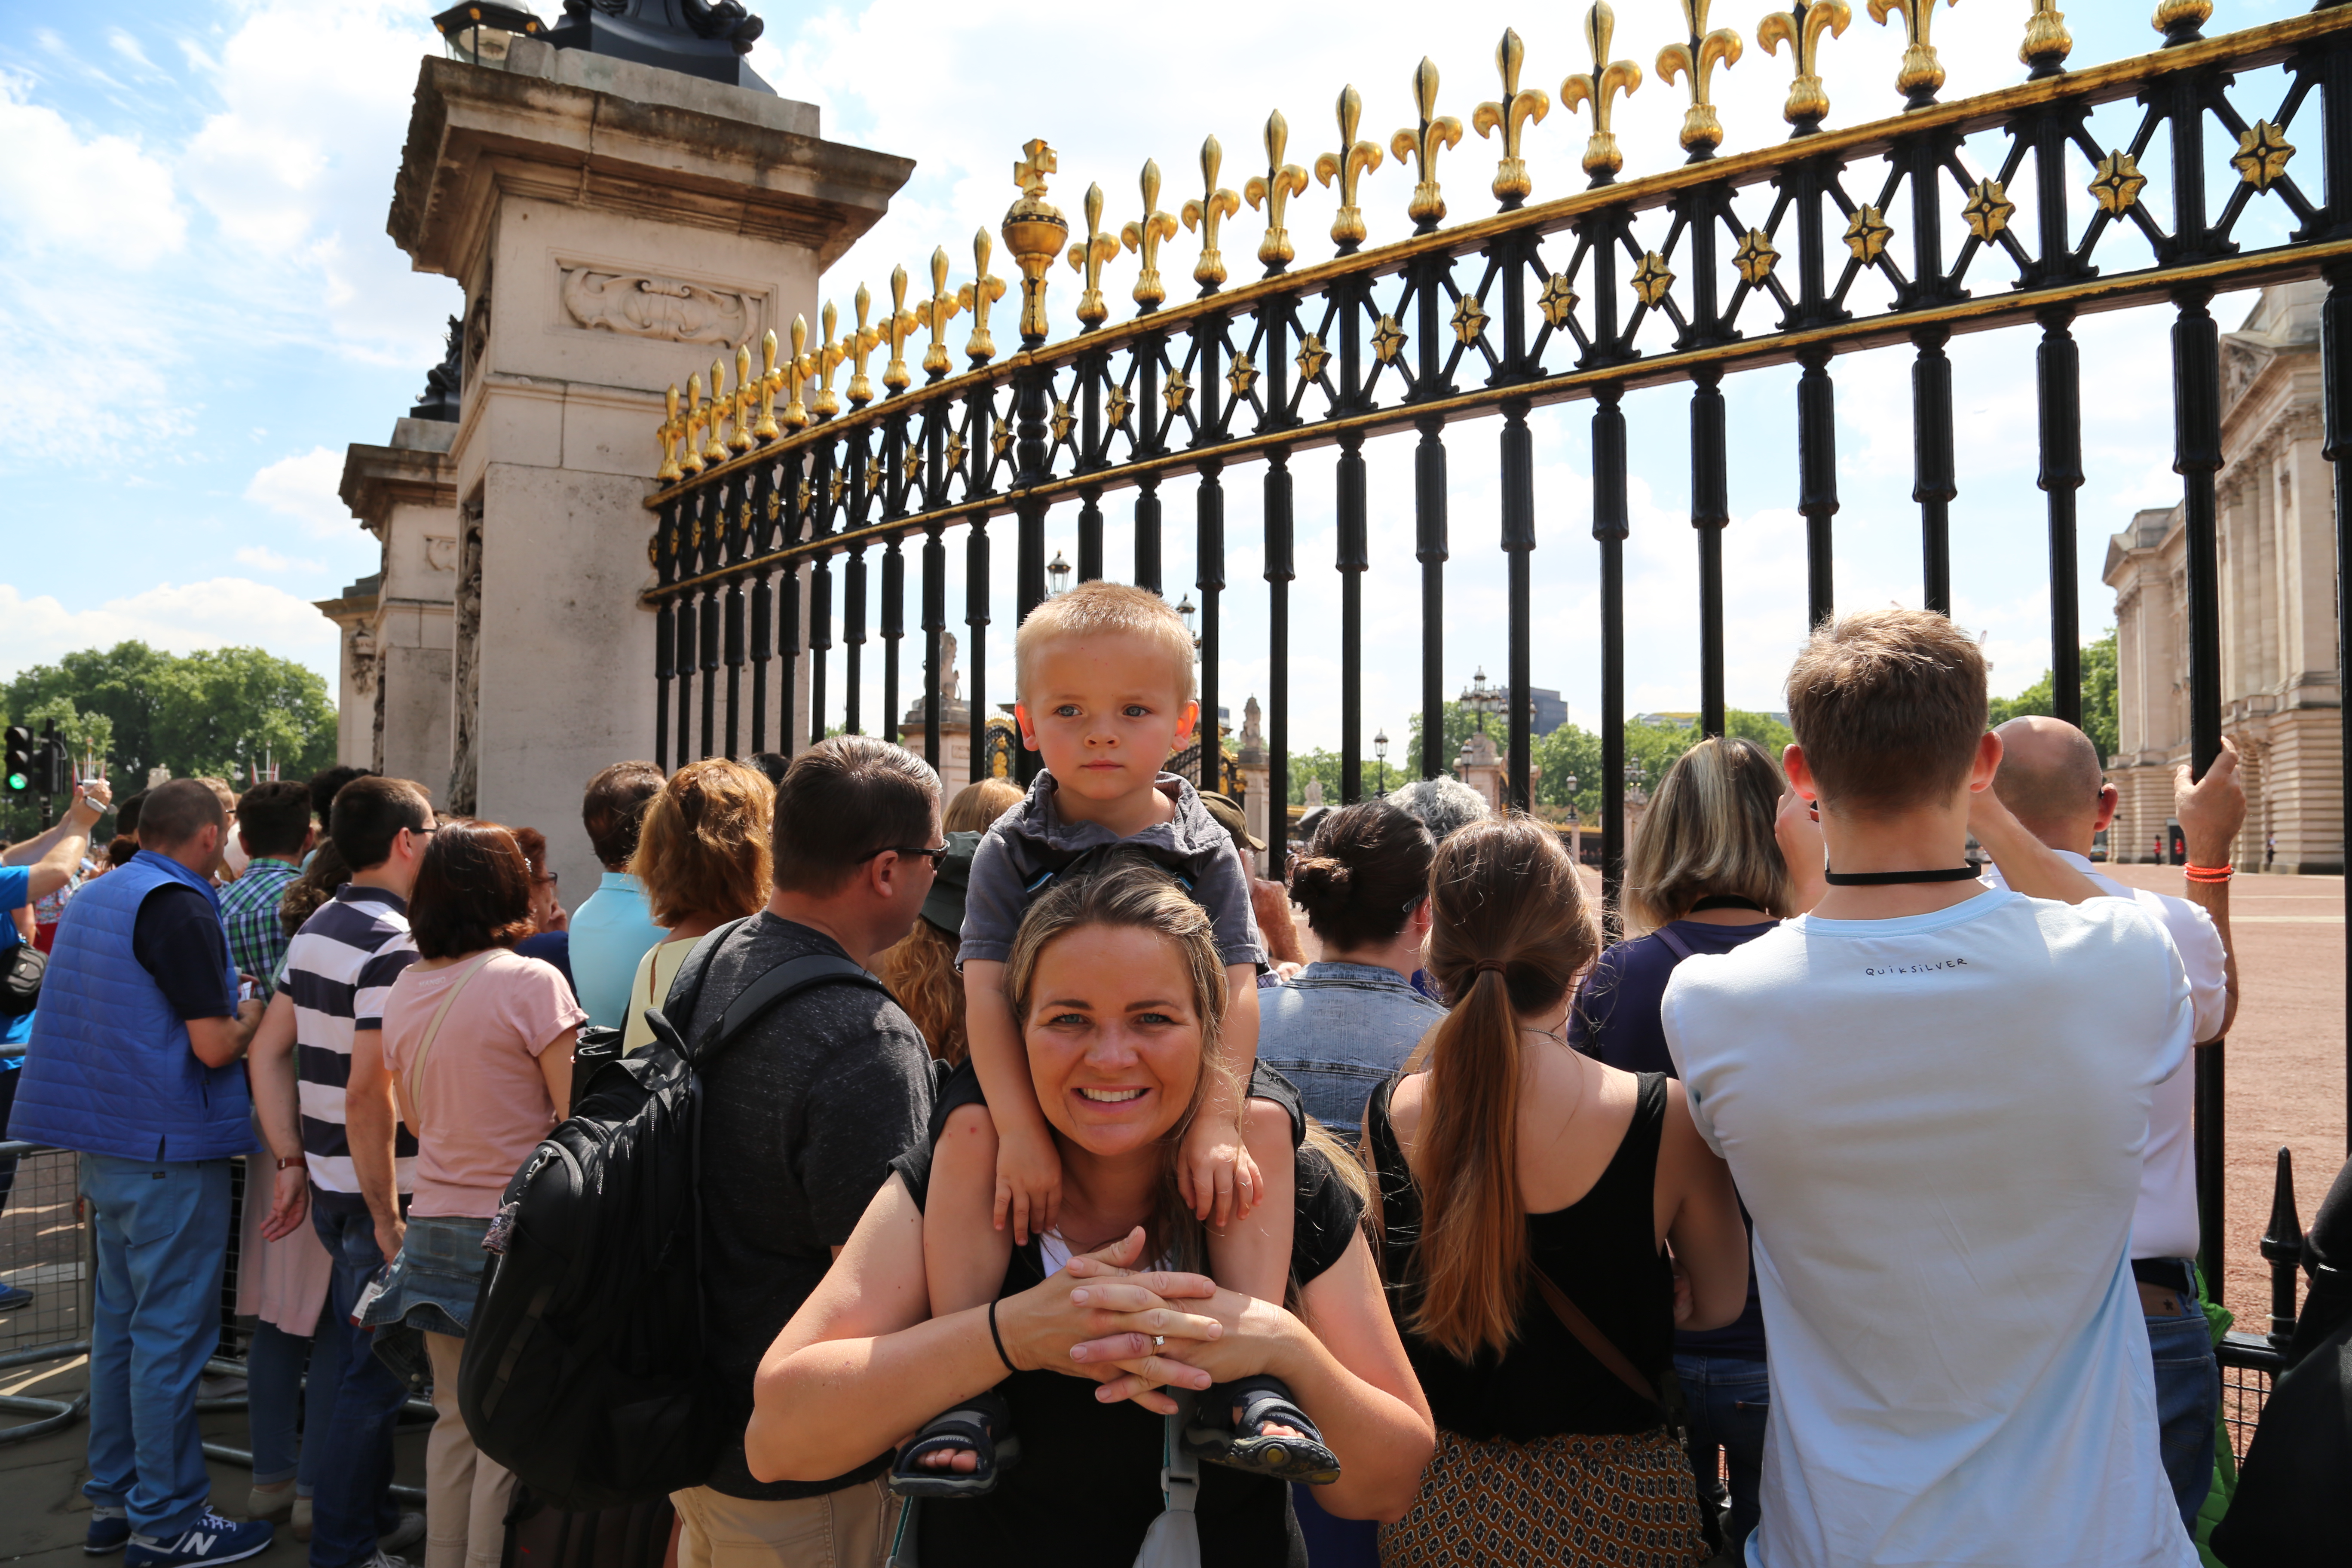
point(981, 1426)
point(1247, 1444)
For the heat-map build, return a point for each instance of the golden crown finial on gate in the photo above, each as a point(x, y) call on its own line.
point(670, 432)
point(895, 328)
point(1510, 115)
point(1144, 238)
point(2047, 42)
point(1087, 259)
point(825, 361)
point(1607, 79)
point(977, 296)
point(1273, 191)
point(1800, 28)
point(714, 447)
point(1695, 60)
point(747, 394)
point(1349, 163)
point(862, 341)
point(1421, 142)
point(797, 375)
point(936, 312)
point(1203, 212)
point(1921, 72)
point(772, 381)
point(1034, 232)
point(691, 454)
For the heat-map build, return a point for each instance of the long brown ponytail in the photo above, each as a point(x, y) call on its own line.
point(1509, 934)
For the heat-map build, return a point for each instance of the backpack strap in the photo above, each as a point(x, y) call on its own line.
point(778, 986)
point(431, 1033)
point(1673, 941)
point(686, 985)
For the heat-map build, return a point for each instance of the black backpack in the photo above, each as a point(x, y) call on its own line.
point(584, 1370)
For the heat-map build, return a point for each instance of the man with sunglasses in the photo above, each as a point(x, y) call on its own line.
point(802, 1115)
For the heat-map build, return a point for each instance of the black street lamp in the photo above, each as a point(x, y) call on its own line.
point(1481, 698)
point(481, 34)
point(1380, 749)
point(1057, 572)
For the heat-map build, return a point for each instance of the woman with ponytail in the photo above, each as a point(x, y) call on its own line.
point(1528, 1196)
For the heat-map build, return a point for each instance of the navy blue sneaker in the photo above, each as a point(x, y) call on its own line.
point(13, 1296)
point(109, 1529)
point(210, 1540)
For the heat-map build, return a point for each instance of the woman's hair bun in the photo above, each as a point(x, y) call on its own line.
point(1322, 871)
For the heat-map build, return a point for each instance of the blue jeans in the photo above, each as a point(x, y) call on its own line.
point(2188, 1402)
point(274, 1369)
point(351, 1446)
point(163, 1236)
point(1729, 1400)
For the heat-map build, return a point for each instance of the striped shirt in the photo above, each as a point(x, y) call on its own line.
point(339, 968)
point(256, 938)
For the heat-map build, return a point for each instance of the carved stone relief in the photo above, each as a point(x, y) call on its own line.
point(642, 305)
point(466, 685)
point(441, 552)
point(363, 660)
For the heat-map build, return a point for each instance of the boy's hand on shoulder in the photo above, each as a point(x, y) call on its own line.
point(1028, 1183)
point(1214, 1172)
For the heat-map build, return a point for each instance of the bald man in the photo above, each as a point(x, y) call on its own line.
point(2052, 782)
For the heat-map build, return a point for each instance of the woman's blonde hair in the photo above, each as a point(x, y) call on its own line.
point(920, 968)
point(977, 805)
point(1511, 933)
point(1708, 832)
point(702, 848)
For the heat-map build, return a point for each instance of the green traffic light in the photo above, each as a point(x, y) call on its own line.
point(18, 781)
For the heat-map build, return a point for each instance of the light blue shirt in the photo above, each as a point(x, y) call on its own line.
point(609, 934)
point(15, 891)
point(1337, 1031)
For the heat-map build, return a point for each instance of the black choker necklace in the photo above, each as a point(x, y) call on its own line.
point(1889, 878)
point(1727, 901)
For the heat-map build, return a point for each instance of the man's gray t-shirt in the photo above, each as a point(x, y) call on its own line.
point(801, 1119)
point(1032, 839)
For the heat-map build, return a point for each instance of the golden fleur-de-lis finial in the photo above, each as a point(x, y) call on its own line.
point(935, 312)
point(714, 448)
point(1348, 165)
point(690, 454)
point(796, 372)
point(1203, 212)
point(670, 432)
point(1607, 77)
point(1510, 115)
point(1422, 144)
point(739, 411)
point(1800, 28)
point(1273, 191)
point(977, 296)
point(861, 341)
point(771, 382)
point(895, 328)
point(827, 359)
point(1921, 72)
point(1087, 257)
point(1034, 232)
point(1144, 238)
point(1695, 59)
point(2047, 42)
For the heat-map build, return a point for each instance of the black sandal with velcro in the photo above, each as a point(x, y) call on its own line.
point(1247, 1446)
point(981, 1426)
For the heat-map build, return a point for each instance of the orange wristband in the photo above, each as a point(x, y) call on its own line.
point(2209, 873)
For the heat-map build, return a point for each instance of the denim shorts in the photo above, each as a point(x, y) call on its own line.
point(432, 1284)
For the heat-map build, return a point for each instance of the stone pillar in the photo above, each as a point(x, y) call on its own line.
point(1479, 767)
point(616, 227)
point(404, 494)
point(1255, 769)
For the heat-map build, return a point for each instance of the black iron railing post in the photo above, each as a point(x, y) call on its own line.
point(764, 599)
point(935, 624)
point(665, 629)
point(1146, 534)
point(1610, 528)
point(1209, 555)
point(1279, 571)
point(2061, 377)
point(975, 620)
point(894, 630)
point(1817, 493)
point(1934, 485)
point(1518, 544)
point(734, 656)
point(1710, 514)
point(820, 640)
point(853, 640)
point(1353, 560)
point(788, 659)
point(1430, 548)
point(2282, 1249)
point(708, 664)
point(1090, 536)
point(688, 643)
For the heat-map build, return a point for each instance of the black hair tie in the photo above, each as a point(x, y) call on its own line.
point(1890, 878)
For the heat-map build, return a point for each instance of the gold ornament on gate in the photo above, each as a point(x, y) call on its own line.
point(1087, 259)
point(1349, 163)
point(977, 296)
point(670, 432)
point(1921, 72)
point(1510, 115)
point(714, 446)
point(690, 456)
point(1800, 28)
point(862, 341)
point(895, 328)
point(1273, 191)
point(1034, 232)
point(1421, 142)
point(1144, 238)
point(824, 361)
point(796, 372)
point(936, 311)
point(1695, 60)
point(1601, 157)
point(771, 382)
point(746, 391)
point(1203, 212)
point(2047, 42)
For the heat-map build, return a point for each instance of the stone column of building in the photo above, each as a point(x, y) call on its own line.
point(615, 227)
point(1254, 764)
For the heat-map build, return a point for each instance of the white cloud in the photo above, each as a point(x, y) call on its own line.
point(303, 487)
point(177, 617)
point(101, 201)
point(123, 44)
point(261, 558)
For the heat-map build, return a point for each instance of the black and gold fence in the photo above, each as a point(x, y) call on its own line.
point(1751, 259)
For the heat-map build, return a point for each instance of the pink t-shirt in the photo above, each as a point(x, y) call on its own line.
point(482, 1098)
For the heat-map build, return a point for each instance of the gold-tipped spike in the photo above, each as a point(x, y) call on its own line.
point(1421, 142)
point(1695, 59)
point(1596, 87)
point(824, 361)
point(1087, 257)
point(2047, 42)
point(691, 462)
point(747, 393)
point(1034, 232)
point(1800, 28)
point(935, 313)
point(1510, 115)
point(1144, 238)
point(1921, 72)
point(2179, 20)
point(1273, 191)
point(714, 448)
point(977, 296)
point(1203, 212)
point(670, 432)
point(895, 327)
point(862, 341)
point(796, 375)
point(771, 382)
point(1349, 163)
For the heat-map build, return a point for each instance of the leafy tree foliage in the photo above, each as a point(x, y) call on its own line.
point(2098, 696)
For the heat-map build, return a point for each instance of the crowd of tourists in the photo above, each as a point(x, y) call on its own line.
point(1083, 1208)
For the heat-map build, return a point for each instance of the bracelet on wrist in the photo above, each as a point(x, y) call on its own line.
point(2196, 873)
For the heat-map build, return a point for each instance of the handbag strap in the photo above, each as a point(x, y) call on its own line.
point(433, 1032)
point(1604, 1351)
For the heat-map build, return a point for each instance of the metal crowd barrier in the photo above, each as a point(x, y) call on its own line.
point(45, 1247)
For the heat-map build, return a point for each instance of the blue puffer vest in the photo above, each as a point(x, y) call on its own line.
point(109, 1070)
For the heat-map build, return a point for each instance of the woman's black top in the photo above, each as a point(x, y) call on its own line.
point(1087, 1486)
point(1601, 1251)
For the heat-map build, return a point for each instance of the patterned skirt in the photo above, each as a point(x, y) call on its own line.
point(1625, 1501)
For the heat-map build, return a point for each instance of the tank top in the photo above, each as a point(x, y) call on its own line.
point(1602, 1250)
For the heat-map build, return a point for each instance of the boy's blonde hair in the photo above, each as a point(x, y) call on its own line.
point(1100, 609)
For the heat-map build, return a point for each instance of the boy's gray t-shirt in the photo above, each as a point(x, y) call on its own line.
point(1032, 839)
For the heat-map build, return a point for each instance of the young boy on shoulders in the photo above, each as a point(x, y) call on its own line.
point(1934, 1097)
point(1104, 694)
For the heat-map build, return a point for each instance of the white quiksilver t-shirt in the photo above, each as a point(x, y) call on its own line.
point(1936, 1123)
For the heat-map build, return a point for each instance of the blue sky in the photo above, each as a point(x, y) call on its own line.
point(199, 309)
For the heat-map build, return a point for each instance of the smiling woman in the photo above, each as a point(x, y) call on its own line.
point(1119, 991)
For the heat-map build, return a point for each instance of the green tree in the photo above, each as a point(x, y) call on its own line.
point(2098, 696)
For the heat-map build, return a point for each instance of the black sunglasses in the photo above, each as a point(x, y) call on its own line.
point(939, 857)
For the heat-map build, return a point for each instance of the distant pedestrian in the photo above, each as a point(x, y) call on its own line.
point(613, 928)
point(550, 937)
point(274, 823)
point(703, 858)
point(2270, 850)
point(920, 967)
point(1446, 805)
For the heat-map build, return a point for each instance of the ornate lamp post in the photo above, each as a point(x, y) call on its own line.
point(481, 35)
point(1482, 699)
point(1058, 574)
point(1185, 609)
point(1380, 749)
point(1575, 824)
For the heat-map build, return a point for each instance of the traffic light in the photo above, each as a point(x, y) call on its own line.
point(20, 777)
point(53, 768)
